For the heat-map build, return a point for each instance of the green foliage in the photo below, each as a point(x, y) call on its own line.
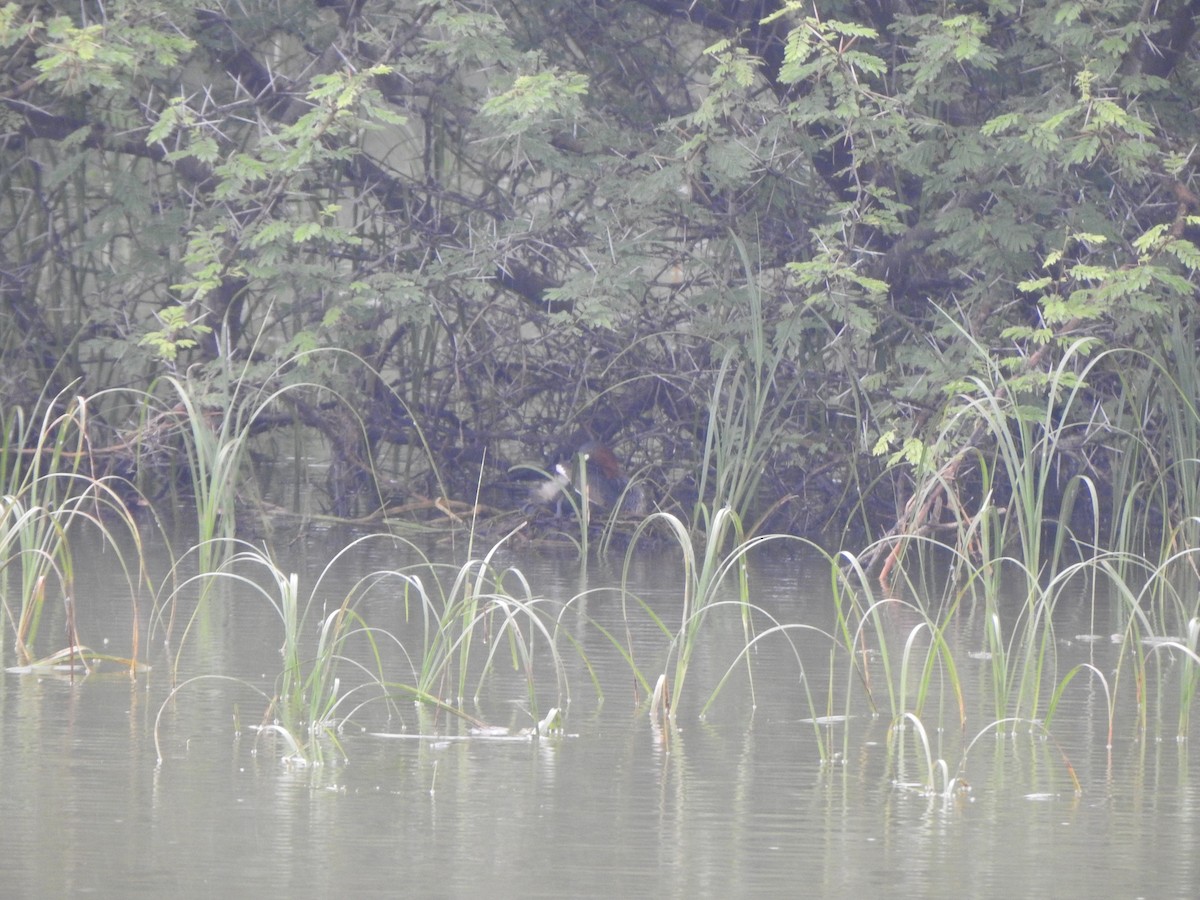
point(74, 59)
point(176, 334)
point(546, 94)
point(672, 225)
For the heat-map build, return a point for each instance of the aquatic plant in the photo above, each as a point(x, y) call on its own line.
point(1000, 505)
point(1002, 464)
point(479, 602)
point(910, 647)
point(745, 411)
point(1007, 499)
point(306, 707)
point(50, 490)
point(218, 415)
point(311, 703)
point(215, 445)
point(706, 569)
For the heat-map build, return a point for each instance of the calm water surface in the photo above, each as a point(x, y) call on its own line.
point(736, 804)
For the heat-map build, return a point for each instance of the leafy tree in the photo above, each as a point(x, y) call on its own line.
point(523, 222)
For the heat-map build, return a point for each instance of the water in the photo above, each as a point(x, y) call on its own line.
point(736, 804)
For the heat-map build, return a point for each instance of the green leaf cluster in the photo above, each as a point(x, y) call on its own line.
point(535, 219)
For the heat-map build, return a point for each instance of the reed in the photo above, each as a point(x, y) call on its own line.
point(1164, 621)
point(746, 411)
point(1022, 652)
point(1156, 467)
point(1035, 429)
point(573, 623)
point(706, 570)
point(1179, 443)
point(219, 419)
point(866, 623)
point(467, 617)
point(33, 544)
point(480, 605)
point(310, 703)
point(216, 431)
point(1189, 676)
point(898, 646)
point(1018, 434)
point(903, 656)
point(214, 451)
point(930, 767)
point(50, 492)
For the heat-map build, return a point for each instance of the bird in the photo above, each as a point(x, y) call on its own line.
point(603, 479)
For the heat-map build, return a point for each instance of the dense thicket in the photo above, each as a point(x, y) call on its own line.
point(810, 233)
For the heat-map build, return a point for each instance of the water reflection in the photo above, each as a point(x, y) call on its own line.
point(737, 804)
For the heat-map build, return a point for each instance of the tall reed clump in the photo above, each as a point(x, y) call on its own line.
point(706, 571)
point(1153, 449)
point(910, 659)
point(900, 645)
point(479, 608)
point(1000, 485)
point(220, 417)
point(218, 414)
point(49, 490)
point(1162, 628)
point(463, 630)
point(1033, 490)
point(745, 409)
point(1170, 426)
point(1155, 477)
point(309, 703)
point(1021, 434)
point(216, 431)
